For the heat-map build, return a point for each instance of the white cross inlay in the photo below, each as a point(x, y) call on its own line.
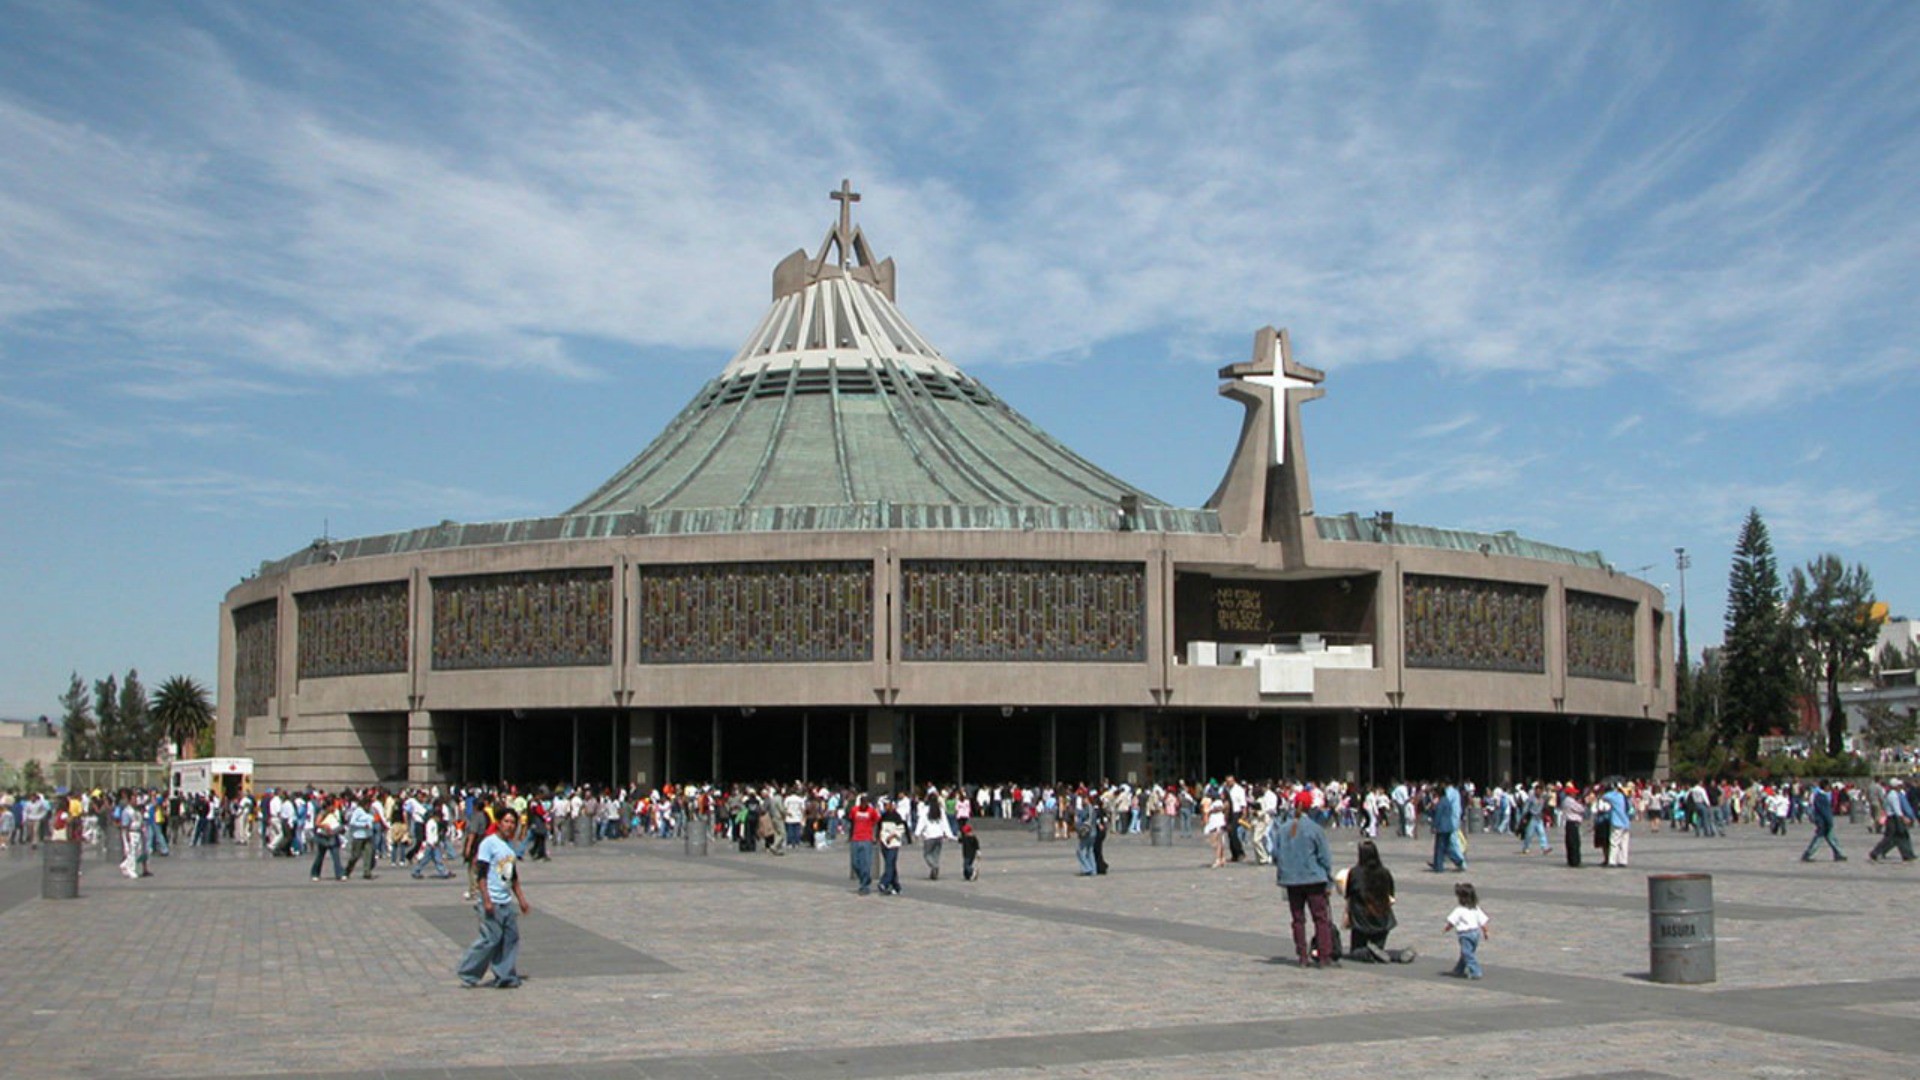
point(1279, 383)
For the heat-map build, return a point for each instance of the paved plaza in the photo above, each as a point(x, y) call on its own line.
point(643, 961)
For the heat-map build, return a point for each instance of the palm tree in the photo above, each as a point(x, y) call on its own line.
point(182, 711)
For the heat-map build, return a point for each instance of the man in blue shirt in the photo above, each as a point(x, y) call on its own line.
point(1303, 865)
point(497, 866)
point(361, 826)
point(1445, 818)
point(1820, 812)
point(1620, 818)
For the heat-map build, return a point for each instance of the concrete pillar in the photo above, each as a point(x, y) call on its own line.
point(642, 767)
point(1504, 767)
point(883, 752)
point(1347, 727)
point(423, 757)
point(1130, 731)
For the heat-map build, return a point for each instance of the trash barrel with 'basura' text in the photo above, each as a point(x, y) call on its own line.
point(1680, 927)
point(60, 871)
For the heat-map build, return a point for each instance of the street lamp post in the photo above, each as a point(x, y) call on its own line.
point(1682, 560)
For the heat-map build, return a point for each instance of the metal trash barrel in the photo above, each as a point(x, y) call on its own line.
point(1043, 826)
point(698, 828)
point(60, 871)
point(1680, 927)
point(1162, 826)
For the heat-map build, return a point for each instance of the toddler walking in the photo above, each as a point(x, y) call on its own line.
point(970, 853)
point(1468, 923)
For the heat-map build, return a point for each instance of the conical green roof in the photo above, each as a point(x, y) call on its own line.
point(836, 406)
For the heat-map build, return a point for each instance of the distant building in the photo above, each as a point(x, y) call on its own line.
point(22, 741)
point(847, 559)
point(1902, 635)
point(1897, 689)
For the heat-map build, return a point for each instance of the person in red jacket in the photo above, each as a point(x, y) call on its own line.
point(863, 821)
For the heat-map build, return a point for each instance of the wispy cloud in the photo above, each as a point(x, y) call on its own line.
point(232, 493)
point(1446, 427)
point(1140, 193)
point(1423, 477)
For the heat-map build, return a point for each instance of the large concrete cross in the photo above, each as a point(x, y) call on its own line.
point(846, 197)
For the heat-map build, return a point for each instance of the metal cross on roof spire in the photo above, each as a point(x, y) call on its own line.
point(846, 197)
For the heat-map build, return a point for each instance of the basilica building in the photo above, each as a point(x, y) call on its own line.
point(847, 559)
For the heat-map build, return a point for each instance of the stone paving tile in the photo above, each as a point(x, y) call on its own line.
point(223, 960)
point(561, 951)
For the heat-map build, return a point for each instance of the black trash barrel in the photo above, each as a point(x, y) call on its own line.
point(1680, 927)
point(60, 871)
point(697, 830)
point(1043, 826)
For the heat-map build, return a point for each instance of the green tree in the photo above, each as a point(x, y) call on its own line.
point(77, 733)
point(182, 713)
point(138, 741)
point(1698, 749)
point(32, 776)
point(106, 715)
point(1758, 681)
point(1832, 608)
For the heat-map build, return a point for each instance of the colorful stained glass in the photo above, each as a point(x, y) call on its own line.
point(1600, 636)
point(256, 657)
point(538, 618)
point(356, 630)
point(1023, 611)
point(1473, 625)
point(756, 613)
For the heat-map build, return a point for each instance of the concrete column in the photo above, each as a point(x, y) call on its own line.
point(423, 759)
point(642, 728)
point(1347, 728)
point(229, 735)
point(1504, 767)
point(1130, 730)
point(883, 753)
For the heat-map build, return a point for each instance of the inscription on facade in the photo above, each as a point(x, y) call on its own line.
point(1238, 609)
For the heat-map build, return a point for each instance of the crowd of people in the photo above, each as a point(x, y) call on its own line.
point(430, 831)
point(424, 827)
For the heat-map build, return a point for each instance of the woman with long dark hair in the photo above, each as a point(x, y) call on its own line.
point(1369, 896)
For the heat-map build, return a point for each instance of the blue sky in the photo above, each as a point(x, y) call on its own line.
point(1606, 275)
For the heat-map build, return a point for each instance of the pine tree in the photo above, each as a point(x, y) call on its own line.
point(111, 739)
point(140, 743)
point(1758, 679)
point(77, 735)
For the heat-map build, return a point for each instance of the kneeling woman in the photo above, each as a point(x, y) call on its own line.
point(1369, 894)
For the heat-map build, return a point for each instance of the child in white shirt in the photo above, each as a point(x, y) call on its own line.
point(1469, 924)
